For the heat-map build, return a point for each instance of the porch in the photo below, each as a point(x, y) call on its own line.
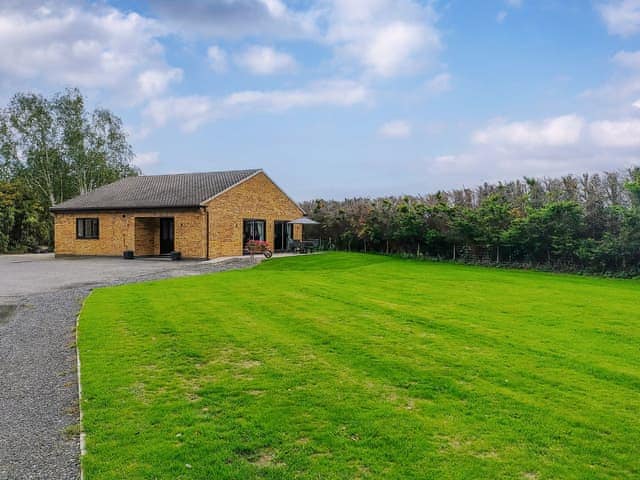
point(154, 236)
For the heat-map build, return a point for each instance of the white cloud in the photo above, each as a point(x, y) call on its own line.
point(188, 112)
point(90, 47)
point(558, 131)
point(629, 60)
point(275, 7)
point(555, 146)
point(503, 14)
point(262, 60)
point(622, 17)
point(439, 84)
point(476, 166)
point(616, 134)
point(237, 18)
point(217, 58)
point(138, 132)
point(386, 37)
point(341, 93)
point(155, 82)
point(453, 163)
point(395, 129)
point(96, 46)
point(622, 89)
point(393, 47)
point(191, 112)
point(146, 159)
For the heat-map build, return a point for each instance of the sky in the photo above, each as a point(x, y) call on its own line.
point(343, 98)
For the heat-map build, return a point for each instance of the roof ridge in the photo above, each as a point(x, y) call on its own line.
point(242, 170)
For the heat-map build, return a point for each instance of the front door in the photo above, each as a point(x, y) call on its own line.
point(166, 235)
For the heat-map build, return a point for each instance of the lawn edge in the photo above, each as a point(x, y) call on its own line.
point(81, 436)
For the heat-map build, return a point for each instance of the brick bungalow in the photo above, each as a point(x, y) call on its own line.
point(201, 215)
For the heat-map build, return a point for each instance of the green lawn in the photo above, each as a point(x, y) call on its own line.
point(353, 366)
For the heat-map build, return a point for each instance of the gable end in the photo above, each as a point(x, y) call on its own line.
point(244, 180)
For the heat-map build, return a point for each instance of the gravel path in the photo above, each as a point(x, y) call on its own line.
point(38, 383)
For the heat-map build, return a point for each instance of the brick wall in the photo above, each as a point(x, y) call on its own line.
point(191, 235)
point(132, 230)
point(257, 198)
point(147, 236)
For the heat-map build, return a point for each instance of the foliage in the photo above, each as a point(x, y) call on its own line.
point(342, 366)
point(22, 218)
point(52, 149)
point(587, 223)
point(633, 186)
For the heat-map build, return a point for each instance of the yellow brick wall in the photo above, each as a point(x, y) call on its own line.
point(147, 236)
point(119, 231)
point(191, 234)
point(256, 198)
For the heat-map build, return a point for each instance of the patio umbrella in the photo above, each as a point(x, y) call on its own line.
point(303, 221)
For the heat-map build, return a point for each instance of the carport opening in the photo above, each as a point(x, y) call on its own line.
point(154, 236)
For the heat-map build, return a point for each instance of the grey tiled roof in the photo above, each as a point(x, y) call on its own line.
point(156, 191)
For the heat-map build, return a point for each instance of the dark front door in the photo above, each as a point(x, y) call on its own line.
point(166, 235)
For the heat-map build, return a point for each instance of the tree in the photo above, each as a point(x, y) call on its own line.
point(379, 224)
point(33, 140)
point(495, 216)
point(548, 234)
point(23, 220)
point(589, 223)
point(633, 186)
point(59, 149)
point(412, 229)
point(54, 149)
point(7, 215)
point(441, 237)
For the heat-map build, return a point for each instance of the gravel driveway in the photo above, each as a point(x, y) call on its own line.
point(39, 300)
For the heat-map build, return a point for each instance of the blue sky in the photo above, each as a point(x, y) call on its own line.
point(338, 98)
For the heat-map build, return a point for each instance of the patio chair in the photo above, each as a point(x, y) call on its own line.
point(293, 246)
point(308, 246)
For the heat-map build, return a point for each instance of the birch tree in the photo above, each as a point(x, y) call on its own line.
point(59, 148)
point(33, 145)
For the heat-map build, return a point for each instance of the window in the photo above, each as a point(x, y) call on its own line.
point(87, 228)
point(254, 230)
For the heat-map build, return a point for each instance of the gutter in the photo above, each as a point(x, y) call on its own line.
point(119, 209)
